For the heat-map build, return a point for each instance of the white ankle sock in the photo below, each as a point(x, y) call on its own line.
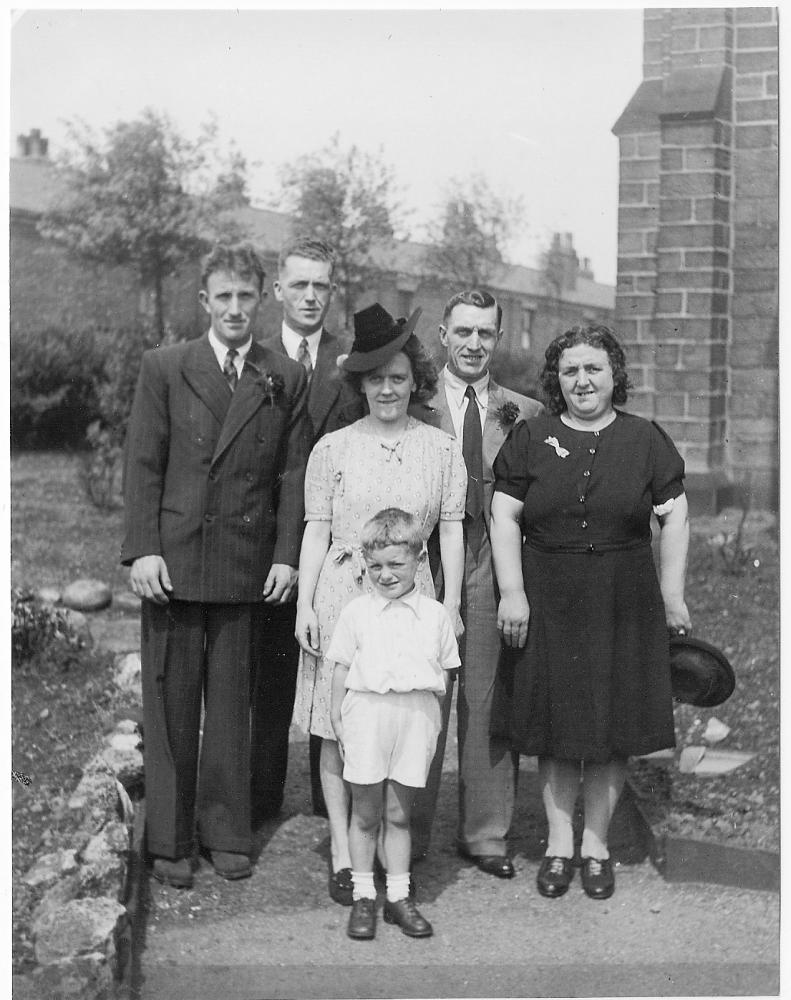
point(397, 887)
point(364, 887)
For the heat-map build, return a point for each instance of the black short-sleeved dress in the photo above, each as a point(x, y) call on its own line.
point(593, 681)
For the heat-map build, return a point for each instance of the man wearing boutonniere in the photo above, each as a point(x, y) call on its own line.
point(213, 495)
point(480, 413)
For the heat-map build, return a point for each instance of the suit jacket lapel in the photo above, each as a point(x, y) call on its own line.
point(493, 431)
point(325, 384)
point(247, 399)
point(203, 374)
point(436, 411)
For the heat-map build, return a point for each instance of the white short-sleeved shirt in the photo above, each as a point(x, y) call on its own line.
point(405, 644)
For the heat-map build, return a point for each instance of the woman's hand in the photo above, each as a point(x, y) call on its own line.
point(452, 607)
point(513, 615)
point(677, 617)
point(307, 630)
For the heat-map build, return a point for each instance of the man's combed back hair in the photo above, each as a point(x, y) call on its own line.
point(472, 297)
point(391, 526)
point(241, 259)
point(309, 248)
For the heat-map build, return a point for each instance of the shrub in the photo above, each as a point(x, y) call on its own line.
point(53, 377)
point(36, 626)
point(121, 351)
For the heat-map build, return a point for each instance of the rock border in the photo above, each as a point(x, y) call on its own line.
point(82, 927)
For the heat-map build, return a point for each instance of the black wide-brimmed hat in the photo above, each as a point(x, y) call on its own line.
point(377, 338)
point(700, 673)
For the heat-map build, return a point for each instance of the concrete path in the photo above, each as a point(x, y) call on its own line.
point(279, 935)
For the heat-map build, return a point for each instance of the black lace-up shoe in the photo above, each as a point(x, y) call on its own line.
point(598, 879)
point(362, 920)
point(408, 917)
point(554, 876)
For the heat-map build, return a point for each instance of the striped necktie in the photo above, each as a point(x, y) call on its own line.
point(229, 368)
point(303, 356)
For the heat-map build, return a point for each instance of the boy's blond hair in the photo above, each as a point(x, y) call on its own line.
point(391, 526)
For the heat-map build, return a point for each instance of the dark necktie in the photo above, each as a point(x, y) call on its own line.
point(303, 356)
point(229, 368)
point(472, 449)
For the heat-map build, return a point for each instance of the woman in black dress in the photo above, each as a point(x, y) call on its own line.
point(581, 595)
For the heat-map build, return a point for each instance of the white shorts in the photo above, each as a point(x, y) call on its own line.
point(390, 735)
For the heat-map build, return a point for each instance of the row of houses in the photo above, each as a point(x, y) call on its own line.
point(50, 287)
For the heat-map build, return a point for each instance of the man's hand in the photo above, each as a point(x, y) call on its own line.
point(280, 584)
point(149, 579)
point(307, 630)
point(513, 614)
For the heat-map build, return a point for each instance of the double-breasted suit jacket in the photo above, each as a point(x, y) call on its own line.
point(486, 771)
point(332, 404)
point(214, 484)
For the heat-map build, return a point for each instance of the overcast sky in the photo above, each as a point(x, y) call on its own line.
point(527, 97)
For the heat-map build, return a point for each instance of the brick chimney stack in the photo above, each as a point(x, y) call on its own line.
point(33, 146)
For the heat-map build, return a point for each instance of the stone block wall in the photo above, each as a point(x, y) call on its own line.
point(696, 300)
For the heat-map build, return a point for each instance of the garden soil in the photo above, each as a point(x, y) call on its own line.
point(278, 934)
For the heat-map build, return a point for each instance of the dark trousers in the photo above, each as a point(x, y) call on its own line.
point(274, 680)
point(194, 654)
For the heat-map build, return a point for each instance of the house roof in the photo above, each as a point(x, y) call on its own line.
point(33, 184)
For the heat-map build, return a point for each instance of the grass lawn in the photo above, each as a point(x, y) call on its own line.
point(57, 535)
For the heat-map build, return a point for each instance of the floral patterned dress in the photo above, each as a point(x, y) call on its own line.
point(352, 474)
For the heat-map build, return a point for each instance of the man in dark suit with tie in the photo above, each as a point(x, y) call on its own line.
point(304, 286)
point(213, 488)
point(472, 407)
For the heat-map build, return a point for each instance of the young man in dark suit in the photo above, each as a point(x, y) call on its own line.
point(213, 487)
point(304, 286)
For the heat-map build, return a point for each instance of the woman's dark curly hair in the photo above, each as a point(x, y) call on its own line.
point(424, 371)
point(596, 336)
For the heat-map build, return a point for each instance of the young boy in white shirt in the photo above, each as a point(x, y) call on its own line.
point(391, 649)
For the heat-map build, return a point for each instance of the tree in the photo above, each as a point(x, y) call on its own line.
point(142, 195)
point(471, 235)
point(348, 198)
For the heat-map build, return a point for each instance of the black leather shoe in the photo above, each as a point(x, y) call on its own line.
point(499, 865)
point(176, 873)
point(362, 919)
point(598, 879)
point(231, 865)
point(554, 876)
point(408, 917)
point(341, 886)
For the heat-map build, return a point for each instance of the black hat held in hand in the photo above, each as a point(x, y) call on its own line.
point(700, 673)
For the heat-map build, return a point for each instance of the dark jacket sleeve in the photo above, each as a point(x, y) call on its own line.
point(290, 495)
point(145, 460)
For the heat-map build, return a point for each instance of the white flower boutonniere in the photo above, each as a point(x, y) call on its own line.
point(554, 443)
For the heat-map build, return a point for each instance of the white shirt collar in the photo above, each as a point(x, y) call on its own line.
point(220, 350)
point(410, 599)
point(456, 388)
point(292, 340)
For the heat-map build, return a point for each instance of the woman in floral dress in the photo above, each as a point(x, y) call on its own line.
point(386, 459)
